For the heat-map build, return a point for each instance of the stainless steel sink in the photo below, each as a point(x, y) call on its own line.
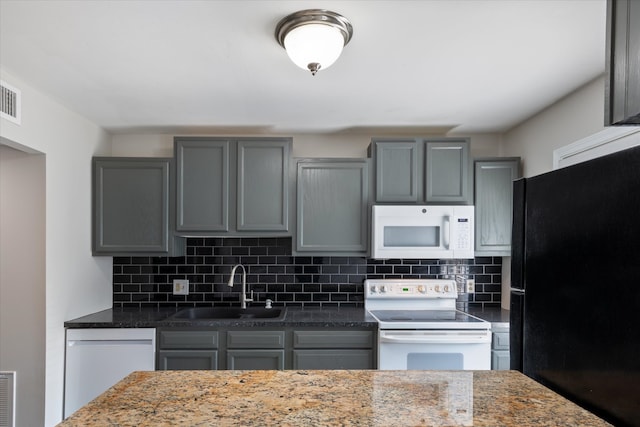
point(204, 313)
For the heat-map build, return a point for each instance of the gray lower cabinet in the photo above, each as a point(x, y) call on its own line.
point(176, 360)
point(132, 206)
point(187, 349)
point(255, 349)
point(422, 170)
point(494, 204)
point(242, 348)
point(236, 186)
point(333, 349)
point(332, 207)
point(500, 358)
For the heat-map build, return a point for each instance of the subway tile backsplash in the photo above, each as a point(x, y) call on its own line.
point(273, 273)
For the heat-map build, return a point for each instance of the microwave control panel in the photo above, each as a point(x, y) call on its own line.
point(463, 234)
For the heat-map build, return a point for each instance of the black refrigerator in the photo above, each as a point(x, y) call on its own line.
point(575, 297)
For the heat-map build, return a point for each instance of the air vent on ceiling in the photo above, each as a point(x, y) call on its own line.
point(10, 102)
point(7, 399)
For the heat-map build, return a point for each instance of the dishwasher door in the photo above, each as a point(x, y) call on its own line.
point(96, 359)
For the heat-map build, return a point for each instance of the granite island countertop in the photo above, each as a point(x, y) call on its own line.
point(330, 398)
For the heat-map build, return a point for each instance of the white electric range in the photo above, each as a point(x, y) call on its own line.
point(420, 328)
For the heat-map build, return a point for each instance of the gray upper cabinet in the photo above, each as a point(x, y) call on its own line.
point(202, 184)
point(447, 175)
point(263, 185)
point(131, 198)
point(622, 90)
point(237, 186)
point(422, 170)
point(332, 206)
point(396, 171)
point(494, 204)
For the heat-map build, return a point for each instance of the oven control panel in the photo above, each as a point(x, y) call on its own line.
point(411, 289)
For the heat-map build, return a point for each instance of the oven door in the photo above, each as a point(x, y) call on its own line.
point(434, 350)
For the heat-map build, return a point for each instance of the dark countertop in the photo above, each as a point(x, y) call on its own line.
point(331, 398)
point(498, 317)
point(152, 318)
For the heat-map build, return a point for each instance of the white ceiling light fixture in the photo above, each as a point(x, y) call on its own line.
point(314, 38)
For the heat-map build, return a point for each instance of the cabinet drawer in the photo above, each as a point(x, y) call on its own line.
point(332, 339)
point(500, 341)
point(188, 339)
point(255, 359)
point(255, 339)
point(333, 359)
point(177, 360)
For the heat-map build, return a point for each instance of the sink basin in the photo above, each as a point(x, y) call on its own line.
point(204, 313)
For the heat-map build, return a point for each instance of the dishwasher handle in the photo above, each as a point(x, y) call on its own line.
point(72, 343)
point(436, 337)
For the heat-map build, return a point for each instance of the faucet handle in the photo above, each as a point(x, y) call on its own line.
point(267, 303)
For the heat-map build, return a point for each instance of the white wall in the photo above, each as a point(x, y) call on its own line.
point(22, 279)
point(304, 145)
point(576, 116)
point(573, 117)
point(76, 283)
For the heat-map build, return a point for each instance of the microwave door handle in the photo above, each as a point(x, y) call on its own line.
point(446, 227)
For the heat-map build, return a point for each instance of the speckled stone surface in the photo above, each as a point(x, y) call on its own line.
point(330, 398)
point(149, 318)
point(498, 317)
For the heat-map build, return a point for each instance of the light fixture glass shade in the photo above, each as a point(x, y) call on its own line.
point(314, 44)
point(314, 38)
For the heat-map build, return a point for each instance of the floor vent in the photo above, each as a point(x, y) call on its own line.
point(7, 398)
point(10, 101)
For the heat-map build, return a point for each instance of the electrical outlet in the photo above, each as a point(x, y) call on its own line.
point(180, 287)
point(471, 286)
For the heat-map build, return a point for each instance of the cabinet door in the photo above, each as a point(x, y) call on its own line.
point(187, 339)
point(332, 207)
point(255, 359)
point(255, 339)
point(329, 338)
point(494, 205)
point(333, 359)
point(202, 184)
point(500, 361)
point(176, 360)
point(396, 171)
point(622, 91)
point(447, 176)
point(130, 205)
point(263, 185)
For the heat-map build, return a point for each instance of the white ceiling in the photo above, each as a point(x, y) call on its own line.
point(214, 66)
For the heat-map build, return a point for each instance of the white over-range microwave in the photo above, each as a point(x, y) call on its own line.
point(420, 231)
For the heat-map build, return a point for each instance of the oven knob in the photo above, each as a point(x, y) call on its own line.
point(446, 289)
point(383, 289)
point(374, 289)
point(437, 288)
point(421, 289)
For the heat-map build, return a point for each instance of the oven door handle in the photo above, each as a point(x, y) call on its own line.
point(424, 337)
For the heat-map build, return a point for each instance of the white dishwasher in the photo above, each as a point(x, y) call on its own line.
point(96, 359)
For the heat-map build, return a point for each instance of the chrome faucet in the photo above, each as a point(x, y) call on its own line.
point(243, 295)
